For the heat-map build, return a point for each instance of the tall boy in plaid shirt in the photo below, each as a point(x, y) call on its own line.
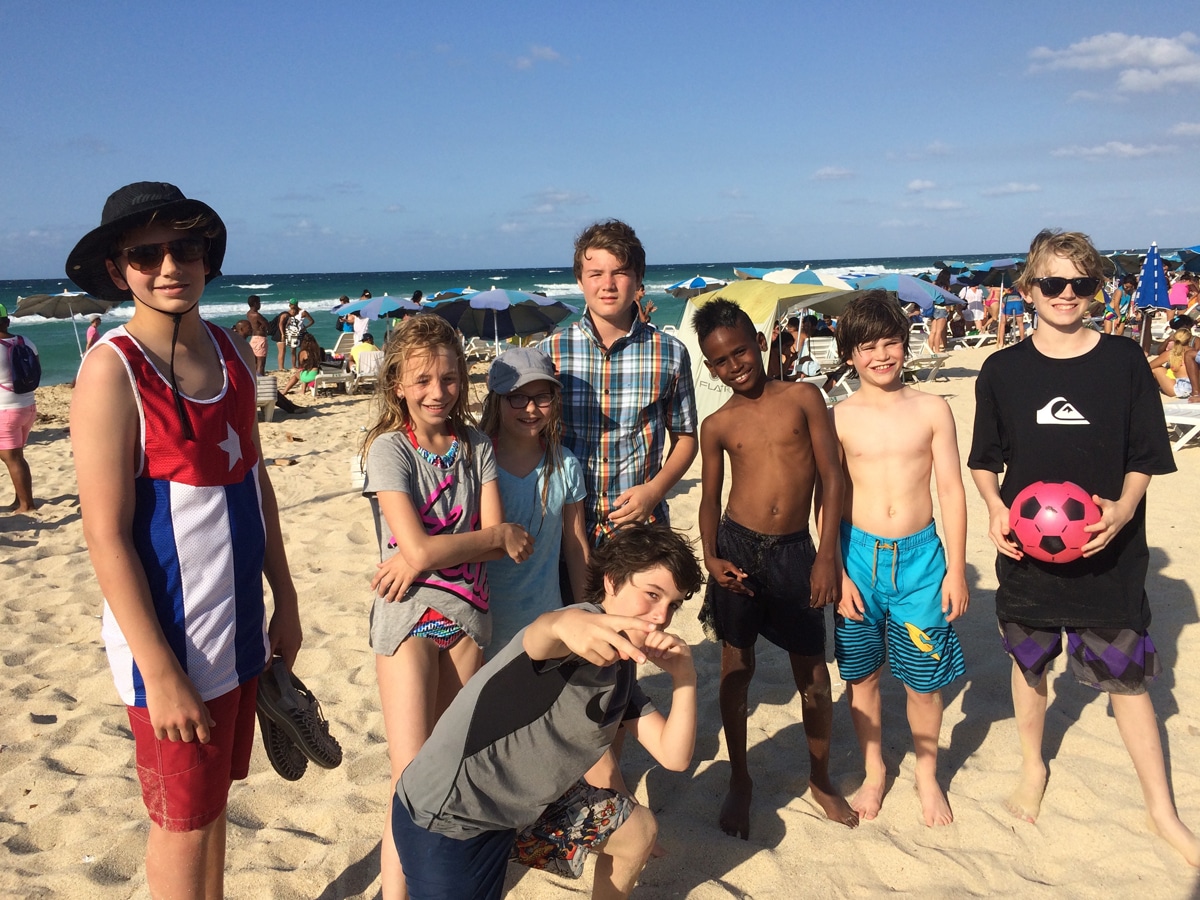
point(626, 387)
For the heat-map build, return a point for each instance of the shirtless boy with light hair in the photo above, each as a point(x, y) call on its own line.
point(900, 589)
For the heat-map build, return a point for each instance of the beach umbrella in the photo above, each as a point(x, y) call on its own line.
point(381, 307)
point(993, 273)
point(1152, 291)
point(1125, 263)
point(690, 287)
point(500, 314)
point(792, 276)
point(806, 276)
point(451, 294)
point(62, 306)
point(910, 290)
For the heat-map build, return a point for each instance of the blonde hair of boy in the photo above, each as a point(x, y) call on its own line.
point(1050, 242)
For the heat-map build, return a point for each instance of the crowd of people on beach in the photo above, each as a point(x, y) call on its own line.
point(528, 563)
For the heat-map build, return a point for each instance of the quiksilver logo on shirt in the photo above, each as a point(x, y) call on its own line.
point(1060, 411)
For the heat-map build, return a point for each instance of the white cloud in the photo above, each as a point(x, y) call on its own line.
point(917, 185)
point(537, 54)
point(1142, 63)
point(942, 205)
point(551, 201)
point(1011, 187)
point(1115, 149)
point(832, 173)
point(1186, 129)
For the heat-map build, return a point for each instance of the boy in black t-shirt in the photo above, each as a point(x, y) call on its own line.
point(1040, 417)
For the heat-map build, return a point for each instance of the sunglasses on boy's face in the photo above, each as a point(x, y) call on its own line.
point(1052, 286)
point(521, 401)
point(150, 256)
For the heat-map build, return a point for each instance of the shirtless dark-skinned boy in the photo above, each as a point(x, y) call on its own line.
point(766, 577)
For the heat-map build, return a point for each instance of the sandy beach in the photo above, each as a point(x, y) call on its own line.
point(73, 824)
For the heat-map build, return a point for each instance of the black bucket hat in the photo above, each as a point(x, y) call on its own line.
point(129, 208)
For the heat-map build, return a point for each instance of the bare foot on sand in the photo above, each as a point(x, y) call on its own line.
point(869, 799)
point(834, 804)
point(735, 811)
point(1178, 835)
point(1026, 801)
point(935, 808)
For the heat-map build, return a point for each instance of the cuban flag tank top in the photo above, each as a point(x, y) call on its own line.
point(197, 526)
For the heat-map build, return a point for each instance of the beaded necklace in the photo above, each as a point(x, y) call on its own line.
point(442, 461)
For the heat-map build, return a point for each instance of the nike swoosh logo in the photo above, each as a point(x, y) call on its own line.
point(1060, 411)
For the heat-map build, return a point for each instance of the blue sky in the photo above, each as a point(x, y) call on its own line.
point(399, 135)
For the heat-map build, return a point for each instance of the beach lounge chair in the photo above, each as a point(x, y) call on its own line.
point(343, 345)
point(366, 373)
point(1186, 419)
point(477, 348)
point(267, 392)
point(974, 341)
point(331, 376)
point(924, 368)
point(823, 349)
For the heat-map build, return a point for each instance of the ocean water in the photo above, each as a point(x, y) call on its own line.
point(225, 298)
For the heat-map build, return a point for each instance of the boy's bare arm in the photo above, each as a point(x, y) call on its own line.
point(712, 479)
point(826, 582)
point(670, 740)
point(952, 500)
point(104, 429)
point(637, 503)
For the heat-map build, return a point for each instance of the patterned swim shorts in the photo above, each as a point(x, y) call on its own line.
point(1113, 660)
point(581, 818)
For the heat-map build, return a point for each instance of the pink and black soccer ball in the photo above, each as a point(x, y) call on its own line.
point(1047, 518)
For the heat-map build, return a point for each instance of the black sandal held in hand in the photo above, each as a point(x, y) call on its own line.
point(291, 707)
point(285, 757)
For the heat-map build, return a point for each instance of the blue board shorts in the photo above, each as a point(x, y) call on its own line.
point(1014, 307)
point(900, 580)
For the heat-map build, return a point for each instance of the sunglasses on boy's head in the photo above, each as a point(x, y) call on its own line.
point(150, 256)
point(1051, 286)
point(521, 401)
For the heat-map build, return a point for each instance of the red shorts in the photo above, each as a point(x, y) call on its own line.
point(15, 425)
point(185, 785)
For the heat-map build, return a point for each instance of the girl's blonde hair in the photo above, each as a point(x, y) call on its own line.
point(417, 336)
point(1183, 340)
point(551, 432)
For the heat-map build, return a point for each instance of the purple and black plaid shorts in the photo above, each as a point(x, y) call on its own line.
point(1113, 660)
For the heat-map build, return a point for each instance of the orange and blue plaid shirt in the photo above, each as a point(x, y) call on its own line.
point(620, 404)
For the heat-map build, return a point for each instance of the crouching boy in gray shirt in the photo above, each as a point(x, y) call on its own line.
point(502, 774)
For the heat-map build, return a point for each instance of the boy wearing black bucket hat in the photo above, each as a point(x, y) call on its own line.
point(181, 522)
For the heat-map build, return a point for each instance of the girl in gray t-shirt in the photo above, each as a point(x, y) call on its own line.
point(431, 482)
